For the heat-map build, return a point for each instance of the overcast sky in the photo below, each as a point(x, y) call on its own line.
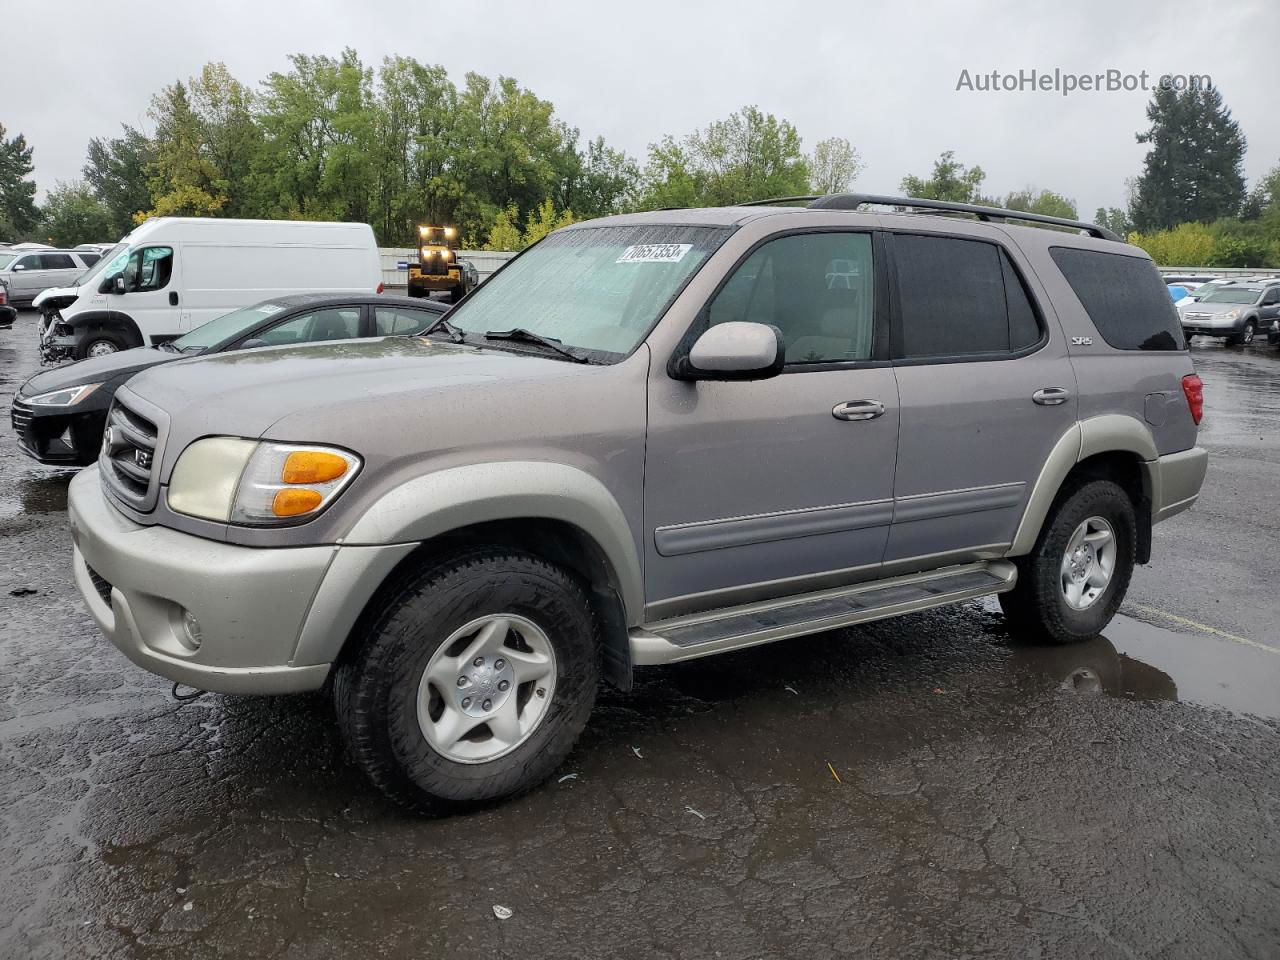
point(884, 77)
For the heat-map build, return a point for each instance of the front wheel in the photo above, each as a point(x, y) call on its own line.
point(473, 683)
point(98, 344)
point(1244, 336)
point(1073, 582)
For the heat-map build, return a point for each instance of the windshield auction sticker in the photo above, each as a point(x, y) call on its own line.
point(655, 253)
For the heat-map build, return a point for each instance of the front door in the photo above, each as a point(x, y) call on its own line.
point(26, 277)
point(771, 487)
point(986, 390)
point(150, 298)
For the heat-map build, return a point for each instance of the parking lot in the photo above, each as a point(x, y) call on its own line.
point(922, 787)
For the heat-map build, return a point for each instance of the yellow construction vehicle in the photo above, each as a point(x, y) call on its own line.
point(438, 266)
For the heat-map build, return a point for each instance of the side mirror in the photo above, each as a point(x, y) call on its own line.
point(253, 342)
point(117, 285)
point(736, 350)
point(19, 266)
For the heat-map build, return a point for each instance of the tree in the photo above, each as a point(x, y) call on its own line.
point(951, 181)
point(229, 137)
point(1031, 200)
point(18, 212)
point(116, 171)
point(833, 166)
point(749, 155)
point(505, 232)
point(183, 179)
point(1264, 198)
point(1194, 168)
point(1114, 219)
point(74, 215)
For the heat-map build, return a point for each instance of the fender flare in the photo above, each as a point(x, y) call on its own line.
point(1108, 433)
point(112, 320)
point(436, 503)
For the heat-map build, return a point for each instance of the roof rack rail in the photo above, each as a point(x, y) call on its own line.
point(772, 200)
point(851, 201)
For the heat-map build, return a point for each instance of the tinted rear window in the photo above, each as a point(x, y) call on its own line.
point(1124, 297)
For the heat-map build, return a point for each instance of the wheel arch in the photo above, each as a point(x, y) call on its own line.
point(112, 321)
point(555, 511)
point(1112, 446)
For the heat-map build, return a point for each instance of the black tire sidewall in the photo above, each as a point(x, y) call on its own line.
point(401, 643)
point(82, 348)
point(1040, 605)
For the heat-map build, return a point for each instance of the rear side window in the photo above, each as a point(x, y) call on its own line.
point(1123, 296)
point(58, 261)
point(89, 259)
point(401, 321)
point(959, 298)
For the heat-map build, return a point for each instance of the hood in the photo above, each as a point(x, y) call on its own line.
point(55, 298)
point(116, 366)
point(330, 391)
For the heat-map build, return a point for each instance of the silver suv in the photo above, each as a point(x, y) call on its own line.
point(28, 274)
point(648, 438)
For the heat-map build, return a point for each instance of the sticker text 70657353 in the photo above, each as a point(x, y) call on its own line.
point(655, 253)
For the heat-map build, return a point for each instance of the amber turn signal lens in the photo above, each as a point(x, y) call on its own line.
point(294, 503)
point(312, 466)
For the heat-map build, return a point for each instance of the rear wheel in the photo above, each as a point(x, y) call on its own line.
point(99, 343)
point(1073, 582)
point(474, 682)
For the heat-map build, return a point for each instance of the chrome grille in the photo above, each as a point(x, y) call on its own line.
point(128, 455)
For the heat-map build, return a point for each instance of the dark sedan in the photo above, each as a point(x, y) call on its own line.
point(59, 414)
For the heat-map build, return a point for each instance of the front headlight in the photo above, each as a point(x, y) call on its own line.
point(258, 483)
point(1232, 314)
point(63, 398)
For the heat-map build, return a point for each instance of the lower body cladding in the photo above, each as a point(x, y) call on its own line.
point(216, 616)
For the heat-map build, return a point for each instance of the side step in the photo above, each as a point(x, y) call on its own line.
point(732, 628)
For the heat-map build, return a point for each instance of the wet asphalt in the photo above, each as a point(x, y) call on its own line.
point(922, 787)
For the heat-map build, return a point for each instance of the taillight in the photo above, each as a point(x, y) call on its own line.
point(380, 288)
point(4, 296)
point(1193, 387)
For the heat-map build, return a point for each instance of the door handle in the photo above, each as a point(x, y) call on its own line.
point(1051, 396)
point(173, 298)
point(858, 410)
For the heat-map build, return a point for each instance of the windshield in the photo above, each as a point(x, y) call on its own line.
point(6, 259)
point(226, 327)
point(596, 289)
point(1232, 295)
point(115, 253)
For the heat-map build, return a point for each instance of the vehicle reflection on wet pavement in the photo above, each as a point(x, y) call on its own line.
point(925, 787)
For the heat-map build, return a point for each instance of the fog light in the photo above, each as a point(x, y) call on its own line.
point(191, 630)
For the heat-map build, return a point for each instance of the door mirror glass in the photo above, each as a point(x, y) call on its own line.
point(253, 342)
point(118, 285)
point(735, 350)
point(19, 266)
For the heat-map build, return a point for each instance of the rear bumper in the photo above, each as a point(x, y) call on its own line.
point(1176, 481)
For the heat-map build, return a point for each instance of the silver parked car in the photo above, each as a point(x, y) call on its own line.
point(28, 274)
point(646, 439)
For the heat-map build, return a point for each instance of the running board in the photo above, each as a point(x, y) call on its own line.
point(732, 628)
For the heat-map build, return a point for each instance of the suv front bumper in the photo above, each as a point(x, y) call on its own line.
point(254, 606)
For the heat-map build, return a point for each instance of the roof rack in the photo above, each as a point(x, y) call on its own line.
point(851, 201)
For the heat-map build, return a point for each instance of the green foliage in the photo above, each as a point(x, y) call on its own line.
point(505, 233)
point(1046, 202)
point(1193, 169)
point(74, 215)
point(18, 212)
point(833, 166)
point(951, 181)
point(750, 155)
point(1114, 219)
point(116, 172)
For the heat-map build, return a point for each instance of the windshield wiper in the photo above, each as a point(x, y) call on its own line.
point(169, 347)
point(442, 323)
point(521, 335)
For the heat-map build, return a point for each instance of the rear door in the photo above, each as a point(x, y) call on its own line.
point(986, 389)
point(60, 269)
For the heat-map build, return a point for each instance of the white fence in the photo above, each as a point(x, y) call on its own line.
point(396, 260)
point(1218, 271)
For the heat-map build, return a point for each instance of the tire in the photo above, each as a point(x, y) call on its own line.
point(381, 690)
point(456, 294)
point(1244, 336)
point(99, 343)
point(1038, 608)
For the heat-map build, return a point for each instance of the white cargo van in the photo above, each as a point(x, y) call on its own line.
point(172, 274)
